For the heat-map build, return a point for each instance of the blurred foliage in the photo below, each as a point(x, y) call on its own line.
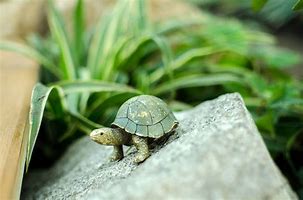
point(276, 13)
point(87, 75)
point(259, 4)
point(298, 5)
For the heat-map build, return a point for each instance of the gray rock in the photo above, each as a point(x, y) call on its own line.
point(217, 153)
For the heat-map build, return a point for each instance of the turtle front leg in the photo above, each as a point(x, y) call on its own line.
point(117, 153)
point(142, 147)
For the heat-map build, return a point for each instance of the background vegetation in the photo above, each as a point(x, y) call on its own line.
point(87, 74)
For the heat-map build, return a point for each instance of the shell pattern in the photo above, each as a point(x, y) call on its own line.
point(146, 116)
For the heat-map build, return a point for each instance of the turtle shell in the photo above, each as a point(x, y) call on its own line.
point(146, 116)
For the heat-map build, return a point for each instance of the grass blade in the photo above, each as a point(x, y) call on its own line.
point(195, 81)
point(94, 86)
point(166, 54)
point(40, 95)
point(84, 121)
point(97, 109)
point(33, 54)
point(96, 46)
point(126, 22)
point(59, 33)
point(79, 27)
point(179, 105)
point(142, 16)
point(183, 60)
point(105, 38)
point(128, 54)
point(258, 4)
point(298, 5)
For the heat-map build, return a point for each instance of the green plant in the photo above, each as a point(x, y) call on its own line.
point(276, 13)
point(89, 74)
point(259, 4)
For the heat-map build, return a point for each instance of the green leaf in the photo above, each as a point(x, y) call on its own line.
point(106, 38)
point(195, 81)
point(58, 31)
point(166, 54)
point(258, 84)
point(95, 48)
point(84, 75)
point(84, 121)
point(142, 81)
point(258, 4)
point(111, 62)
point(275, 57)
point(79, 27)
point(127, 21)
point(179, 106)
point(40, 95)
point(33, 54)
point(142, 16)
point(182, 60)
point(93, 86)
point(265, 123)
point(130, 52)
point(293, 139)
point(177, 25)
point(298, 5)
point(97, 110)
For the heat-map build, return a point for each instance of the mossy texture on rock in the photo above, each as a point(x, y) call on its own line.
point(216, 153)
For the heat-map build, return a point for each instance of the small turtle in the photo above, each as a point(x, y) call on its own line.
point(139, 121)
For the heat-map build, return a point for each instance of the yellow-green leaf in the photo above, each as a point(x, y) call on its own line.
point(40, 94)
point(298, 5)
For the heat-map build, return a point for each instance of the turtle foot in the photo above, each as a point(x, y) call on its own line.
point(115, 158)
point(117, 153)
point(140, 158)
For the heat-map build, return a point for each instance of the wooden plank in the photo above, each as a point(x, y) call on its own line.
point(17, 77)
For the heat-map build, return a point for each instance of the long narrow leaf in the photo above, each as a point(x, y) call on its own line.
point(298, 5)
point(33, 54)
point(258, 4)
point(183, 60)
point(127, 21)
point(111, 62)
point(94, 86)
point(84, 75)
point(166, 54)
point(84, 121)
point(107, 39)
point(96, 46)
point(59, 33)
point(39, 98)
point(99, 107)
point(130, 51)
point(195, 81)
point(142, 16)
point(79, 27)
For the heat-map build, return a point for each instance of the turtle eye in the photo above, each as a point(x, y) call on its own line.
point(101, 133)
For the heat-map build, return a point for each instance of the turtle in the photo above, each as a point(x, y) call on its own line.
point(139, 121)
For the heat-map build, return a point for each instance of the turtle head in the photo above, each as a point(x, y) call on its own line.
point(107, 136)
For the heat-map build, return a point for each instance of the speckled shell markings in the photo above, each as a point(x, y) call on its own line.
point(146, 116)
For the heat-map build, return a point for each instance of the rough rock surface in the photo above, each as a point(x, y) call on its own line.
point(217, 153)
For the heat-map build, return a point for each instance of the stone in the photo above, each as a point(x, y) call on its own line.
point(216, 153)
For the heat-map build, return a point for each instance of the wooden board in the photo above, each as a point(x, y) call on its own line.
point(17, 77)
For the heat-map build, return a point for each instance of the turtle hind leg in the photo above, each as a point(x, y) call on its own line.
point(141, 145)
point(117, 153)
